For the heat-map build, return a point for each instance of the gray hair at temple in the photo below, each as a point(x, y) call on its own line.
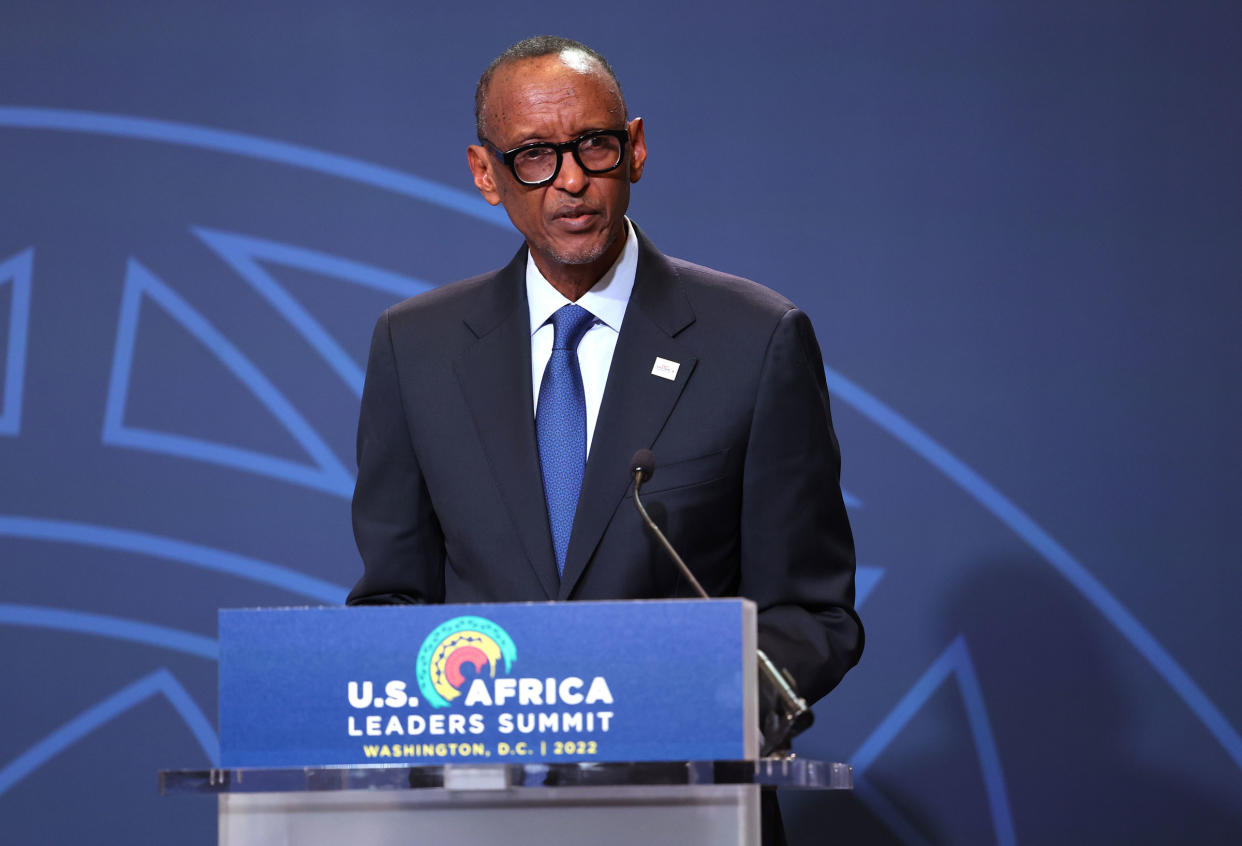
point(533, 48)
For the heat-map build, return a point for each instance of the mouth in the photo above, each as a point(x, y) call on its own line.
point(574, 218)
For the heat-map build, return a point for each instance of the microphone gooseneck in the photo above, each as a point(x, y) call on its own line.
point(642, 466)
point(792, 715)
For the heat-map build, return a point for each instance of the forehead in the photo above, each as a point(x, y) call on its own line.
point(551, 97)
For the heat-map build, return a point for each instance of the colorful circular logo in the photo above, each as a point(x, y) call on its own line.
point(453, 644)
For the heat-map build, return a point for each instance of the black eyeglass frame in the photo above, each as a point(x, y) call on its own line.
point(509, 157)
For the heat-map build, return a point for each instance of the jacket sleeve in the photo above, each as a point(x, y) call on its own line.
point(395, 525)
point(797, 549)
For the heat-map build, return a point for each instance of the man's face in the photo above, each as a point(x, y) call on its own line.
point(577, 219)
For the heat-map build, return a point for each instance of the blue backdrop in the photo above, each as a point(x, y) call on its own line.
point(1016, 227)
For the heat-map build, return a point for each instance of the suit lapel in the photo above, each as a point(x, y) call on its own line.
point(494, 374)
point(636, 403)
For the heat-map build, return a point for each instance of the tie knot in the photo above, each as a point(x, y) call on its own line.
point(570, 323)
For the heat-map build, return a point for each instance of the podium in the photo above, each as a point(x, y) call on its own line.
point(602, 723)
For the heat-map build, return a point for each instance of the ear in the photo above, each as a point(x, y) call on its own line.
point(481, 164)
point(638, 149)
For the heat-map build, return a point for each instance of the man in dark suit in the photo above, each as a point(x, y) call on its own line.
point(500, 413)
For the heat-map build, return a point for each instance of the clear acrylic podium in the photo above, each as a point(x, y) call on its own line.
point(660, 803)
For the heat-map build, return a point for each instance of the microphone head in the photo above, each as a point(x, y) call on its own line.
point(642, 465)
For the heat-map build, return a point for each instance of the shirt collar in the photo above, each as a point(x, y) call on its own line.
point(607, 298)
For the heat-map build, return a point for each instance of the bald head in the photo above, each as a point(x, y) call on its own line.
point(574, 55)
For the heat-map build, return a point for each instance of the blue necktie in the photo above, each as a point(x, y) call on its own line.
point(560, 424)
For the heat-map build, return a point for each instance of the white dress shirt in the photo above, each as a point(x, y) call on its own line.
point(606, 300)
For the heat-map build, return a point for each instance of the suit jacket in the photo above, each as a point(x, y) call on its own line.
point(449, 503)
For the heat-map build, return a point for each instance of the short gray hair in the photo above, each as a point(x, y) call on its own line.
point(533, 48)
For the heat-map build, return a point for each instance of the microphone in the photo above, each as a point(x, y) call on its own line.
point(642, 466)
point(789, 715)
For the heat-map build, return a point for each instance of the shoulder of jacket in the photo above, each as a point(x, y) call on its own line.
point(706, 286)
point(441, 302)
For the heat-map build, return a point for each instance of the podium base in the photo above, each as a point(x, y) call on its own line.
point(698, 815)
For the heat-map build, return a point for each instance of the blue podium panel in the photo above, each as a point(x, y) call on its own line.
point(429, 684)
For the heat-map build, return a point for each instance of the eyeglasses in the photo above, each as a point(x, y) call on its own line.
point(598, 151)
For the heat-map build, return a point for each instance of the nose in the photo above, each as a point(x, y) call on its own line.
point(572, 179)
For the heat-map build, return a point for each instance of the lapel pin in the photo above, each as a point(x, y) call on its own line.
point(665, 369)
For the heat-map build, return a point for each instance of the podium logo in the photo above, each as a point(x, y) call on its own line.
point(454, 644)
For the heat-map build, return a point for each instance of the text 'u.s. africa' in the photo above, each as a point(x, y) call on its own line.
point(542, 718)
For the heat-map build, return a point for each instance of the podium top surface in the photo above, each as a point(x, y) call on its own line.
point(778, 773)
